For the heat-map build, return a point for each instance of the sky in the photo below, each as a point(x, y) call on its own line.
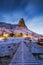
point(11, 11)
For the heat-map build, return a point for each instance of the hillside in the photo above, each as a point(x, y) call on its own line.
point(16, 28)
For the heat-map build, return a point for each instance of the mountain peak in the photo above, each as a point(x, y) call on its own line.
point(21, 22)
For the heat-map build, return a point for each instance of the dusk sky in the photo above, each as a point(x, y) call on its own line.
point(11, 11)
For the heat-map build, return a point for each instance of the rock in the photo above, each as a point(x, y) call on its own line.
point(22, 23)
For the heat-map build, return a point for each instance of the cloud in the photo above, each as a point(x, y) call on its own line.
point(34, 8)
point(13, 4)
point(11, 11)
point(36, 24)
point(13, 17)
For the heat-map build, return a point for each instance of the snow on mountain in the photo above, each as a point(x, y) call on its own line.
point(16, 28)
point(22, 28)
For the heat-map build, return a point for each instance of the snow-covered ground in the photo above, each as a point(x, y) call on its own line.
point(8, 46)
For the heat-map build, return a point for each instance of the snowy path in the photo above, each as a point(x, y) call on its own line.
point(23, 57)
